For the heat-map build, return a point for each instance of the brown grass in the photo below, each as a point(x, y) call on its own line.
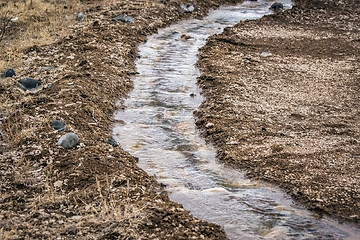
point(39, 23)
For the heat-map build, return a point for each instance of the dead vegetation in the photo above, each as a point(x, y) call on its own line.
point(33, 22)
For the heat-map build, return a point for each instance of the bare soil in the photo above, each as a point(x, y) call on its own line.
point(292, 117)
point(93, 190)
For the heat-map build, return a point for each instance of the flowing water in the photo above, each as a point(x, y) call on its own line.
point(158, 127)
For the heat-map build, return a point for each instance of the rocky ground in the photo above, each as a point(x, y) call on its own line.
point(93, 190)
point(283, 102)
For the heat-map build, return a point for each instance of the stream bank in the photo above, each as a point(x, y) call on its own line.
point(94, 190)
point(282, 102)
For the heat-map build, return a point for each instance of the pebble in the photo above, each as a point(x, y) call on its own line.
point(68, 140)
point(188, 8)
point(29, 84)
point(209, 125)
point(80, 17)
point(58, 184)
point(112, 142)
point(186, 37)
point(58, 125)
point(46, 68)
point(124, 19)
point(8, 73)
point(265, 54)
point(277, 6)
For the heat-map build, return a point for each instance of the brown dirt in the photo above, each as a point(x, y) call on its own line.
point(94, 190)
point(291, 118)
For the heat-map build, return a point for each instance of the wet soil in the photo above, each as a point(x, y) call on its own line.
point(282, 102)
point(93, 190)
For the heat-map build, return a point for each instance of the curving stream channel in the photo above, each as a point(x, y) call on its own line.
point(158, 127)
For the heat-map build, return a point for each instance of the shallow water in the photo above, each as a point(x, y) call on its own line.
point(158, 127)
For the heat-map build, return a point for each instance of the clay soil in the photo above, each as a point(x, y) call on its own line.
point(93, 190)
point(291, 117)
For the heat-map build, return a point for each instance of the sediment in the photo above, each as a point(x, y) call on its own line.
point(282, 102)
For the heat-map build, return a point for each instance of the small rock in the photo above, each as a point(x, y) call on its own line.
point(8, 73)
point(124, 19)
point(29, 84)
point(186, 37)
point(188, 8)
point(58, 125)
point(76, 217)
point(112, 142)
point(69, 140)
point(120, 18)
point(265, 54)
point(80, 17)
point(209, 125)
point(58, 184)
point(133, 73)
point(14, 19)
point(46, 68)
point(130, 19)
point(277, 6)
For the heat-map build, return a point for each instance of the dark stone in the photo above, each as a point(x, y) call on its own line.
point(68, 140)
point(277, 6)
point(58, 125)
point(122, 18)
point(133, 73)
point(112, 142)
point(29, 84)
point(188, 8)
point(8, 73)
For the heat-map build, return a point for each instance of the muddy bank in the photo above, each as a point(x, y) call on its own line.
point(283, 103)
point(93, 190)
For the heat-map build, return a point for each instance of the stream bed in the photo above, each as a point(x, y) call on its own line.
point(158, 127)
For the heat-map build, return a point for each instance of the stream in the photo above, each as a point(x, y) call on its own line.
point(158, 127)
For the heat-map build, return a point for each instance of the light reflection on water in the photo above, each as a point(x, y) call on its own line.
point(158, 127)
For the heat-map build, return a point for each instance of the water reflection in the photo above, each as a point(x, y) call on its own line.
point(160, 131)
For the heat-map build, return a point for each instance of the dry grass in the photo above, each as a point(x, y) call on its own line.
point(39, 22)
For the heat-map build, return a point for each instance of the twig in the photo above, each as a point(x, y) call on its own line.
point(4, 24)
